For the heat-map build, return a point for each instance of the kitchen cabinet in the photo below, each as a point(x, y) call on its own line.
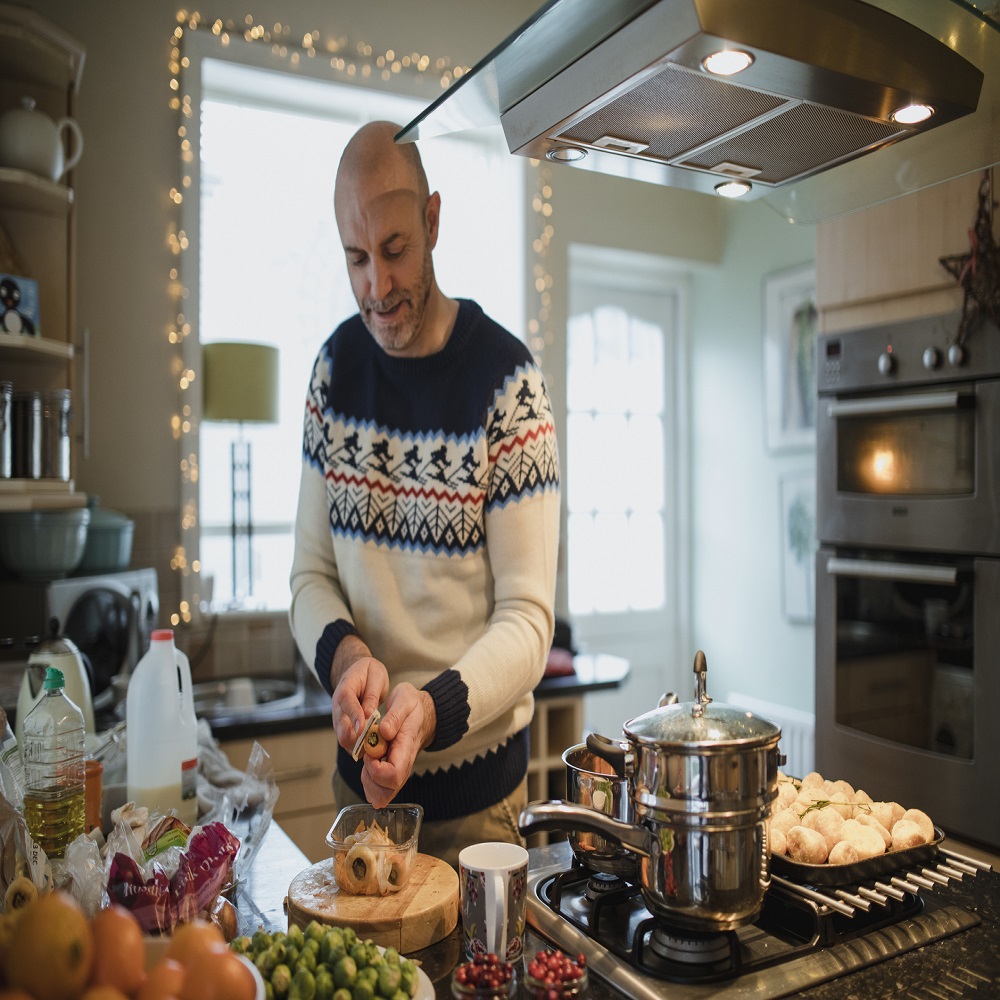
point(38, 218)
point(882, 265)
point(303, 763)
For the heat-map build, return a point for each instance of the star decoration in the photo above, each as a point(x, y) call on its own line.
point(978, 271)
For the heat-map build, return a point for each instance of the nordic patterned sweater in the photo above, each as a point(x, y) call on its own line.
point(428, 524)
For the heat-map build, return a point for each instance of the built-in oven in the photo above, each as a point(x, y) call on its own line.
point(908, 570)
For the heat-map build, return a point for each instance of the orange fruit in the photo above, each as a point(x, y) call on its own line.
point(163, 981)
point(119, 950)
point(104, 993)
point(51, 948)
point(218, 975)
point(192, 938)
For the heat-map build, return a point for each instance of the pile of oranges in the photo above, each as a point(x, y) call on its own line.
point(55, 953)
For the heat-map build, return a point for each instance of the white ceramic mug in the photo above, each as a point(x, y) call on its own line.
point(493, 882)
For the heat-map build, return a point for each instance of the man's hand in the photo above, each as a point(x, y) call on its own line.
point(363, 684)
point(408, 725)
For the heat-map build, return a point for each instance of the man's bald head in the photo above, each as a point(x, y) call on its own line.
point(374, 159)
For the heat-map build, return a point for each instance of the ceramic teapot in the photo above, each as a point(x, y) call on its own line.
point(30, 140)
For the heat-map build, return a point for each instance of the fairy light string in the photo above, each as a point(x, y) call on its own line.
point(358, 63)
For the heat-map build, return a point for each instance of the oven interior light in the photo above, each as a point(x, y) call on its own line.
point(883, 466)
point(912, 114)
point(733, 189)
point(726, 62)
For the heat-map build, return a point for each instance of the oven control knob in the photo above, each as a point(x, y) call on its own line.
point(956, 355)
point(932, 358)
point(886, 363)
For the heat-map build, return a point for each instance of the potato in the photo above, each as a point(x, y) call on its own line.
point(827, 822)
point(906, 834)
point(785, 820)
point(871, 821)
point(923, 821)
point(865, 840)
point(843, 853)
point(776, 842)
point(805, 845)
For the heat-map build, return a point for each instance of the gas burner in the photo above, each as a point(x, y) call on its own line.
point(690, 948)
point(601, 883)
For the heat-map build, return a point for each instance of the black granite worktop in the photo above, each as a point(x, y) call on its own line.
point(966, 964)
point(591, 672)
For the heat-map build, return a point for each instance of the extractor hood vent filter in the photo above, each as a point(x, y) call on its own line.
point(697, 121)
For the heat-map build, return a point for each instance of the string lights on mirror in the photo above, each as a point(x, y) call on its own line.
point(357, 63)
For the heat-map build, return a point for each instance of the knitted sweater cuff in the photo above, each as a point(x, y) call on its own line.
point(450, 695)
point(327, 646)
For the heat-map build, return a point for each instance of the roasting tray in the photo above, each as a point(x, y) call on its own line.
point(857, 872)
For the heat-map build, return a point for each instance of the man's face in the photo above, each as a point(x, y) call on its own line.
point(387, 244)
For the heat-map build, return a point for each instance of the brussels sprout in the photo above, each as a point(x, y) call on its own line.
point(342, 994)
point(306, 960)
point(280, 951)
point(362, 990)
point(391, 955)
point(241, 945)
point(260, 941)
point(266, 962)
point(315, 931)
point(281, 980)
point(408, 977)
point(296, 935)
point(303, 985)
point(359, 952)
point(324, 983)
point(389, 978)
point(345, 971)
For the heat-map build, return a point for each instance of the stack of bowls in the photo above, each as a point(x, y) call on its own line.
point(43, 544)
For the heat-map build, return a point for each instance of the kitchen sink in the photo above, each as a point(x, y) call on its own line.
point(246, 695)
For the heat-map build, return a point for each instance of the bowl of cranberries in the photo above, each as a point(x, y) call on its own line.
point(484, 976)
point(553, 975)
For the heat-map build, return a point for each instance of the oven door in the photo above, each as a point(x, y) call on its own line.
point(908, 681)
point(911, 469)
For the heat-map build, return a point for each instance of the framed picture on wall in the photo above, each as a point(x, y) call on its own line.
point(790, 324)
point(798, 545)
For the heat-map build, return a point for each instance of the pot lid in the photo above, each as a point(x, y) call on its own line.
point(101, 517)
point(701, 722)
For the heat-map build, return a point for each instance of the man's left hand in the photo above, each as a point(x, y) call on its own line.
point(407, 726)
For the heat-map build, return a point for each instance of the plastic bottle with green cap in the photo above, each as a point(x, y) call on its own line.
point(54, 768)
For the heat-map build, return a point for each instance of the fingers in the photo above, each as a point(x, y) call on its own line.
point(362, 688)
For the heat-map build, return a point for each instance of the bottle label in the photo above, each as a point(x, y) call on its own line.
point(189, 778)
point(11, 757)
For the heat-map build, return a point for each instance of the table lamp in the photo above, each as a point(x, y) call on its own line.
point(240, 384)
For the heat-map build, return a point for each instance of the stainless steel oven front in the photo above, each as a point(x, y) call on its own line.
point(908, 681)
point(908, 571)
point(908, 438)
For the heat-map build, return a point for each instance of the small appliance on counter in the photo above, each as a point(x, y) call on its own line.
point(64, 656)
point(108, 617)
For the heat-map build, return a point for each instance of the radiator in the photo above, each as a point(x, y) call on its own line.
point(798, 731)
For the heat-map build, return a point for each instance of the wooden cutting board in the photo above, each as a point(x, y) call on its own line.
point(423, 912)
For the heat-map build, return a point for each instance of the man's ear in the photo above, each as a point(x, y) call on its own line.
point(432, 216)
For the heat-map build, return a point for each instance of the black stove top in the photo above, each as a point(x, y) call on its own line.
point(799, 940)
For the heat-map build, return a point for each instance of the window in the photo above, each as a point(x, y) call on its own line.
point(624, 464)
point(271, 270)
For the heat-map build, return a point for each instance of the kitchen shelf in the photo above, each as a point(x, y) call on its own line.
point(39, 494)
point(25, 191)
point(36, 51)
point(556, 726)
point(23, 346)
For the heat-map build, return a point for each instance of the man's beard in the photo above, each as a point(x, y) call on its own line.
point(399, 334)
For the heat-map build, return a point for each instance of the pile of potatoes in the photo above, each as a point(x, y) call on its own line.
point(816, 821)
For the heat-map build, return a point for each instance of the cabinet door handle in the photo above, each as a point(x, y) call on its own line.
point(297, 773)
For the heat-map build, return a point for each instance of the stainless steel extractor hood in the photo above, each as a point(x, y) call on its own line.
point(809, 124)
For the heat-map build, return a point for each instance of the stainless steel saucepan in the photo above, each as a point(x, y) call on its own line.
point(701, 779)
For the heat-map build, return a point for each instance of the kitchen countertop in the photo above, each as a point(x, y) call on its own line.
point(591, 672)
point(967, 963)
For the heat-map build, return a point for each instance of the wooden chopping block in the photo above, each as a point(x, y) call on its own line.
point(423, 912)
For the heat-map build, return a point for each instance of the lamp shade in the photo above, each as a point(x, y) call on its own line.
point(240, 382)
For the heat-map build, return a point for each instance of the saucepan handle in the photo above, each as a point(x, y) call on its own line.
point(612, 751)
point(558, 815)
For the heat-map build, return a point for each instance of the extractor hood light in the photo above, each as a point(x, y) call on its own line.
point(912, 114)
point(727, 62)
point(565, 154)
point(733, 189)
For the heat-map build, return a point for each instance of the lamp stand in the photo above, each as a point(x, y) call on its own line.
point(241, 527)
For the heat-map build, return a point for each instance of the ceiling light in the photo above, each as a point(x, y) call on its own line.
point(566, 154)
point(912, 114)
point(733, 189)
point(727, 62)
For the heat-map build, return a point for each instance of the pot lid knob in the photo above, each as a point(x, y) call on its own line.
point(701, 698)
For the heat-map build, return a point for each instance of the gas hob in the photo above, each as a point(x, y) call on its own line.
point(803, 937)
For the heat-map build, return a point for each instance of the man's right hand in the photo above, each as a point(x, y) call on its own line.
point(361, 685)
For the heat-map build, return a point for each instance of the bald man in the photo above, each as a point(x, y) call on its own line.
point(427, 528)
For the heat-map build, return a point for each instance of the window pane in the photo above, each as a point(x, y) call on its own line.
point(581, 364)
point(612, 359)
point(583, 475)
point(646, 571)
point(612, 554)
point(646, 368)
point(607, 461)
point(642, 466)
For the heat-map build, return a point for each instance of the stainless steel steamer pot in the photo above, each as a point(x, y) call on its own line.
point(593, 783)
point(701, 780)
